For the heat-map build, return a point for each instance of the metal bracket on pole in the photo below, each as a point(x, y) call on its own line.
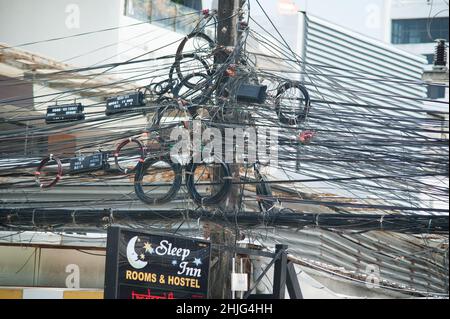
point(279, 275)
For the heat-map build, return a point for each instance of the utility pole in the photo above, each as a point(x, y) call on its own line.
point(227, 25)
point(229, 14)
point(227, 36)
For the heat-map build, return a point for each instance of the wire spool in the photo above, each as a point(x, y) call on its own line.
point(197, 42)
point(135, 159)
point(292, 103)
point(197, 94)
point(149, 180)
point(218, 191)
point(190, 63)
point(40, 174)
point(170, 115)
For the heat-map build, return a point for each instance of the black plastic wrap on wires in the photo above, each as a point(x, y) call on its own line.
point(263, 189)
point(406, 224)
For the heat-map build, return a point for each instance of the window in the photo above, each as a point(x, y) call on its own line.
point(194, 4)
point(416, 30)
point(436, 91)
point(430, 58)
point(171, 14)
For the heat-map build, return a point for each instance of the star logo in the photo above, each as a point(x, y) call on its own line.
point(148, 248)
point(197, 261)
point(174, 262)
point(142, 256)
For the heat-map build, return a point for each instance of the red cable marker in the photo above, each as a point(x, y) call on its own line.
point(43, 163)
point(142, 153)
point(305, 137)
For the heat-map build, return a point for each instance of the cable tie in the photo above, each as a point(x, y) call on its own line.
point(202, 204)
point(381, 221)
point(317, 220)
point(278, 205)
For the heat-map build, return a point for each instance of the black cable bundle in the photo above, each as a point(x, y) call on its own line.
point(153, 198)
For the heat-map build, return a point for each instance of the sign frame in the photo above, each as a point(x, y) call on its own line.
point(64, 113)
point(112, 271)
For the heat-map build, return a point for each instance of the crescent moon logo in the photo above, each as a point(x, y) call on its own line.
point(132, 256)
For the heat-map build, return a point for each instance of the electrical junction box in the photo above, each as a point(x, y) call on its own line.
point(90, 163)
point(124, 103)
point(64, 113)
point(239, 282)
point(251, 93)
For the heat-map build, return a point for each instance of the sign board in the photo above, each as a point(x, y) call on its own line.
point(64, 113)
point(141, 265)
point(124, 103)
point(87, 163)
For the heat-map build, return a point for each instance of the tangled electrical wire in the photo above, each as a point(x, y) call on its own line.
point(354, 155)
point(378, 150)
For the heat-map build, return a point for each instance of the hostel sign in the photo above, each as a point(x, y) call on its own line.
point(141, 265)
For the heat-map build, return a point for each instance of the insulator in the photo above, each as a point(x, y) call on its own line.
point(440, 57)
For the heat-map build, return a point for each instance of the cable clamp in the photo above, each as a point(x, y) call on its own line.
point(278, 204)
point(202, 203)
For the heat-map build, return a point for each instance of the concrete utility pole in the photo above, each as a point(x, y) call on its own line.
point(220, 283)
point(227, 37)
point(227, 24)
